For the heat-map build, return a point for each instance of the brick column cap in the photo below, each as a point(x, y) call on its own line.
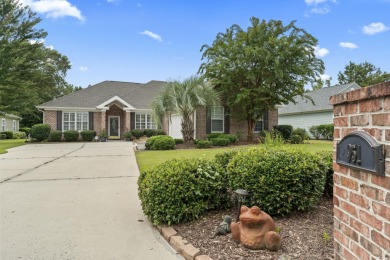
point(375, 91)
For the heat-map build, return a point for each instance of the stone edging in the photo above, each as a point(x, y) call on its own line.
point(187, 250)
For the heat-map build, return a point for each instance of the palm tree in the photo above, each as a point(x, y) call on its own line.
point(184, 97)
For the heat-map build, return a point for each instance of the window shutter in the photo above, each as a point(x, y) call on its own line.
point(132, 120)
point(227, 120)
point(208, 120)
point(265, 120)
point(90, 120)
point(59, 120)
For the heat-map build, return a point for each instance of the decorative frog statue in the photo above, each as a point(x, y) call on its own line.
point(256, 230)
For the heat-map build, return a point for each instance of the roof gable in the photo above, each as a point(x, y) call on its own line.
point(320, 98)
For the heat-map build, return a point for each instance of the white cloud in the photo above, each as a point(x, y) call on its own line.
point(54, 8)
point(82, 68)
point(37, 41)
point(152, 35)
point(314, 2)
point(51, 47)
point(112, 1)
point(375, 28)
point(320, 52)
point(320, 10)
point(348, 45)
point(324, 77)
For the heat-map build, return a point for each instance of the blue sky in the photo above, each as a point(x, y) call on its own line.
point(139, 41)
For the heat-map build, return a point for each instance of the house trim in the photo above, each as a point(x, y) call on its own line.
point(115, 98)
point(307, 112)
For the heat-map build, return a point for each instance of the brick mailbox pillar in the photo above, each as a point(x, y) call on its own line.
point(362, 198)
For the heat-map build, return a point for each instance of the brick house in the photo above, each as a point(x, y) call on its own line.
point(118, 107)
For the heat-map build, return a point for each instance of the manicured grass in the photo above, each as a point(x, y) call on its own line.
point(6, 144)
point(148, 159)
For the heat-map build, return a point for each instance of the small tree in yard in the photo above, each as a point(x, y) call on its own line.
point(184, 97)
point(266, 65)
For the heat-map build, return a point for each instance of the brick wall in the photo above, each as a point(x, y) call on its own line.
point(50, 117)
point(362, 199)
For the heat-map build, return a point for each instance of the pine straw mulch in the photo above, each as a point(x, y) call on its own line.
point(305, 235)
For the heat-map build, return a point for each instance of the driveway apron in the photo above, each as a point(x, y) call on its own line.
point(74, 201)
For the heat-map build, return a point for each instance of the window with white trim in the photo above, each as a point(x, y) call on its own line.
point(14, 125)
point(217, 119)
point(3, 125)
point(259, 125)
point(75, 121)
point(145, 121)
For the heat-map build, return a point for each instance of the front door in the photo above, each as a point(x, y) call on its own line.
point(114, 126)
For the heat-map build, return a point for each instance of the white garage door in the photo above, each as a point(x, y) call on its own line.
point(175, 126)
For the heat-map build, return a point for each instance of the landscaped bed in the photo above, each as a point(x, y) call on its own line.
point(305, 236)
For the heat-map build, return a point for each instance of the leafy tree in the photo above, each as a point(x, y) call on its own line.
point(266, 65)
point(320, 83)
point(364, 74)
point(30, 73)
point(184, 97)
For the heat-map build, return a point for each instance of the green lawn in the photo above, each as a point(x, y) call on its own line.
point(6, 144)
point(147, 159)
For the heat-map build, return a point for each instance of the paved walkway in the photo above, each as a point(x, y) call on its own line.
point(74, 201)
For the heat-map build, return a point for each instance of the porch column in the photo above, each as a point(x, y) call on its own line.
point(127, 121)
point(103, 120)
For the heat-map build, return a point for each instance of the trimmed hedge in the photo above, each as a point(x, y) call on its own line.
point(279, 180)
point(327, 167)
point(8, 134)
point(55, 136)
point(220, 141)
point(71, 135)
point(182, 190)
point(160, 142)
point(285, 130)
point(326, 131)
point(88, 135)
point(224, 158)
point(179, 141)
point(138, 133)
point(20, 135)
point(302, 133)
point(149, 132)
point(159, 132)
point(296, 139)
point(214, 135)
point(201, 144)
point(27, 130)
point(3, 136)
point(40, 132)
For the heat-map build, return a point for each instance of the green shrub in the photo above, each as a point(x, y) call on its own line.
point(159, 132)
point(220, 141)
point(296, 139)
point(224, 158)
point(285, 130)
point(160, 142)
point(87, 135)
point(55, 136)
point(279, 180)
point(327, 167)
point(214, 135)
point(8, 134)
point(182, 190)
point(40, 132)
point(179, 141)
point(20, 135)
point(302, 133)
point(71, 135)
point(3, 136)
point(326, 131)
point(149, 132)
point(27, 130)
point(273, 139)
point(232, 138)
point(314, 132)
point(138, 133)
point(203, 144)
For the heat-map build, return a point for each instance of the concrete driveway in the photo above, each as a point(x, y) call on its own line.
point(74, 201)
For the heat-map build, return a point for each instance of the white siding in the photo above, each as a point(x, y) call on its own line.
point(306, 120)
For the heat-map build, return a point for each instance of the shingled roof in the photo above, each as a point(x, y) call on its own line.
point(138, 95)
point(320, 98)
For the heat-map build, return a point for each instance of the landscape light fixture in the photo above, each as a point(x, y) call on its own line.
point(241, 194)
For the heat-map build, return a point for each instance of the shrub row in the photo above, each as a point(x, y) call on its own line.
point(182, 190)
point(279, 181)
point(325, 131)
point(160, 142)
point(138, 133)
point(8, 134)
point(232, 138)
point(43, 132)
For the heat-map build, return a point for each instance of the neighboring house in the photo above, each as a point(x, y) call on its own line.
point(118, 107)
point(304, 114)
point(9, 122)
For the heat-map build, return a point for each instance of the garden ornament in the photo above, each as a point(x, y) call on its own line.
point(223, 227)
point(256, 230)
